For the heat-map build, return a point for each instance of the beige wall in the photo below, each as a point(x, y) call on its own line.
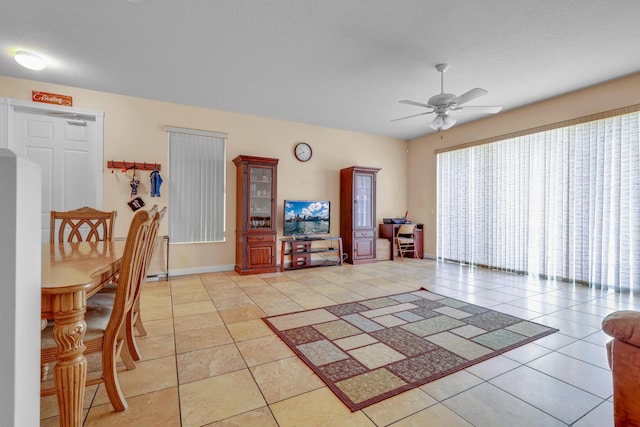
point(134, 130)
point(422, 161)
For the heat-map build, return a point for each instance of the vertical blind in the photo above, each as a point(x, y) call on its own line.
point(562, 204)
point(196, 186)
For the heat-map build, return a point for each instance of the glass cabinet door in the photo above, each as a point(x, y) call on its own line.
point(363, 214)
point(260, 197)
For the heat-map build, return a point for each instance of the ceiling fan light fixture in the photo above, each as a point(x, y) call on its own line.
point(447, 122)
point(436, 124)
point(442, 122)
point(30, 60)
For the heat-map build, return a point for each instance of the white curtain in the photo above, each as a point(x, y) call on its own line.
point(563, 203)
point(196, 186)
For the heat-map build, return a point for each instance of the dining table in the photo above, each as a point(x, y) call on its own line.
point(71, 273)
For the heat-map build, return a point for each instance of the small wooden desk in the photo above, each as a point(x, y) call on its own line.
point(71, 272)
point(388, 231)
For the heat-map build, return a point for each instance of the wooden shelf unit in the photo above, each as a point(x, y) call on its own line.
point(300, 252)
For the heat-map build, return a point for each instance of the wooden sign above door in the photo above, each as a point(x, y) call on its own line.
point(51, 98)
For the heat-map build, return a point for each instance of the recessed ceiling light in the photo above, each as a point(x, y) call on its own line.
point(30, 60)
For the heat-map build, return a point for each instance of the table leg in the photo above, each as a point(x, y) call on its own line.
point(393, 248)
point(70, 372)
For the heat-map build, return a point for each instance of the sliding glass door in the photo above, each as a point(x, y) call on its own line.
point(563, 203)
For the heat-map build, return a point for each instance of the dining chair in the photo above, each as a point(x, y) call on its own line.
point(85, 224)
point(106, 325)
point(134, 318)
point(405, 240)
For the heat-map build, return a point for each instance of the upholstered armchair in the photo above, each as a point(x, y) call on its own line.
point(623, 352)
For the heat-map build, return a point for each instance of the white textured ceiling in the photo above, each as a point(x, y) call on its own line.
point(337, 63)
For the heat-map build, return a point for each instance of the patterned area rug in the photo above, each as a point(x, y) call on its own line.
point(370, 350)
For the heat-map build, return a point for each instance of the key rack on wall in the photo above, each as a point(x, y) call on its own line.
point(144, 166)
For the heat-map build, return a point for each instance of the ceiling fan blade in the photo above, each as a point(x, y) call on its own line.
point(483, 109)
point(414, 115)
point(468, 96)
point(418, 104)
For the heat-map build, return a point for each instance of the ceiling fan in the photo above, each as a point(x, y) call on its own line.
point(444, 103)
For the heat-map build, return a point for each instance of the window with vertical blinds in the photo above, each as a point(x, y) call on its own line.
point(196, 185)
point(562, 203)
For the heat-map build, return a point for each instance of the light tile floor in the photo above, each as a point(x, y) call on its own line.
point(209, 360)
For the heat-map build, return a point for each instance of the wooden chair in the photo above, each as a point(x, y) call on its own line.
point(106, 296)
point(79, 225)
point(106, 326)
point(82, 225)
point(134, 319)
point(405, 240)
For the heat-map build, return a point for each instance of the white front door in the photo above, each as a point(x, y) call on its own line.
point(67, 143)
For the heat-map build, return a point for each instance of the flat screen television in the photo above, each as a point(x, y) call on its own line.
point(306, 217)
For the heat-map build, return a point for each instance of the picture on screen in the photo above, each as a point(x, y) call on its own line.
point(305, 217)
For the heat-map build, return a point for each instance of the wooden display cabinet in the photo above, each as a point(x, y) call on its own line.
point(256, 185)
point(358, 213)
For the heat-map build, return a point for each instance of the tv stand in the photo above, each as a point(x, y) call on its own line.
point(297, 252)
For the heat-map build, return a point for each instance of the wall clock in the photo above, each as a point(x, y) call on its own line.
point(302, 151)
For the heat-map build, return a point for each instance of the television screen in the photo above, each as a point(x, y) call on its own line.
point(306, 217)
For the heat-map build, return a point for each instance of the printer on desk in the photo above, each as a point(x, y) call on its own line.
point(395, 220)
point(402, 220)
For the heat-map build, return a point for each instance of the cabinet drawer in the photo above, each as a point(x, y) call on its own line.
point(363, 233)
point(261, 239)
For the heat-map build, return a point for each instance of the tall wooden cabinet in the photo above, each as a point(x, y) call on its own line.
point(358, 213)
point(256, 185)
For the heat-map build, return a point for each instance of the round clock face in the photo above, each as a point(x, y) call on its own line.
point(302, 151)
